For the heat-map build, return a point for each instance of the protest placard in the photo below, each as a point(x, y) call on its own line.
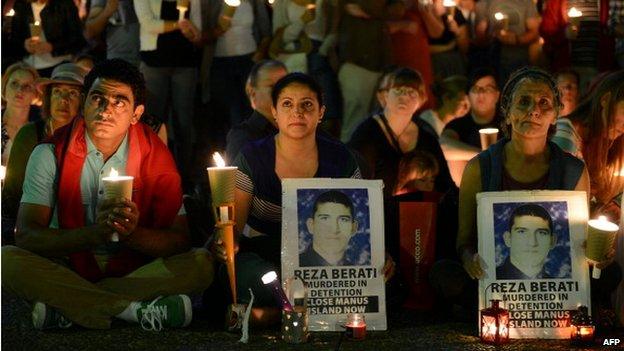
point(531, 246)
point(332, 238)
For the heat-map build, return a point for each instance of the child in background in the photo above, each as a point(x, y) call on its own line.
point(417, 172)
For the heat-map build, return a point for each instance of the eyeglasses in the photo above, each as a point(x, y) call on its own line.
point(399, 91)
point(60, 93)
point(483, 90)
point(26, 87)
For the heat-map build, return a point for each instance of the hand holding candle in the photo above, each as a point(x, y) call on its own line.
point(450, 7)
point(222, 186)
point(35, 30)
point(504, 19)
point(182, 6)
point(600, 239)
point(575, 16)
point(116, 186)
point(229, 7)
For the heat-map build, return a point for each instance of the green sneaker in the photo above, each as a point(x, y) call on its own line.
point(46, 317)
point(172, 311)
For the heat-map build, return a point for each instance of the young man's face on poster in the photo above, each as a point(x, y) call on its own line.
point(529, 240)
point(331, 227)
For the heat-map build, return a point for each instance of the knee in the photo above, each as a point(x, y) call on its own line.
point(12, 267)
point(204, 267)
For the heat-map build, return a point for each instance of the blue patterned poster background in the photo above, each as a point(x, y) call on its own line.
point(359, 249)
point(558, 262)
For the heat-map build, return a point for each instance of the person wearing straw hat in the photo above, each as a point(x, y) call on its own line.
point(68, 261)
point(62, 96)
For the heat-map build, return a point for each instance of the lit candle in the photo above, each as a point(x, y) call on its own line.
point(575, 16)
point(271, 2)
point(356, 326)
point(11, 13)
point(35, 30)
point(229, 7)
point(270, 280)
point(501, 17)
point(182, 6)
point(600, 238)
point(117, 186)
point(2, 174)
point(488, 137)
point(450, 7)
point(222, 185)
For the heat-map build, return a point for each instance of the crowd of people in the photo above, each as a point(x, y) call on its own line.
point(390, 90)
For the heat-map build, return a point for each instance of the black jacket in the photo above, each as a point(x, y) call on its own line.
point(59, 21)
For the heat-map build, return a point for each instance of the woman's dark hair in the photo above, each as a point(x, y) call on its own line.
point(121, 71)
point(334, 196)
point(532, 210)
point(479, 73)
point(449, 88)
point(534, 74)
point(297, 78)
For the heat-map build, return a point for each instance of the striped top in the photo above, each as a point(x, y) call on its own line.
point(585, 46)
point(256, 176)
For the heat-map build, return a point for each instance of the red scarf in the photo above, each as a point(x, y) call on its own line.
point(156, 190)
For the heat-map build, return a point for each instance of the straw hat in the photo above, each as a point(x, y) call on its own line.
point(66, 73)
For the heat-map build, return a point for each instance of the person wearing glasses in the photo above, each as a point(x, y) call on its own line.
point(385, 138)
point(61, 95)
point(460, 139)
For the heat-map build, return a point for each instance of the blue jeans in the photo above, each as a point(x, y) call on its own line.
point(173, 89)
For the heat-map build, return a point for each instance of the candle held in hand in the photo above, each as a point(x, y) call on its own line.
point(116, 186)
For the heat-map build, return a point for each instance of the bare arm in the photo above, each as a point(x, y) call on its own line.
point(433, 23)
point(467, 233)
point(32, 233)
point(454, 149)
point(98, 19)
point(161, 242)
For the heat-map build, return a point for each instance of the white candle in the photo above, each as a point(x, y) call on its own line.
point(223, 213)
point(233, 3)
point(501, 17)
point(117, 186)
point(600, 238)
point(2, 172)
point(11, 13)
point(449, 3)
point(573, 13)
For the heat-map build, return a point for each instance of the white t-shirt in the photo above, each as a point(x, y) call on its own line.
point(238, 40)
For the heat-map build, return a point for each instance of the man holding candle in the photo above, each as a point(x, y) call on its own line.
point(64, 218)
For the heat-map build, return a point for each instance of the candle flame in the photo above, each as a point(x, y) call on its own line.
point(449, 3)
point(233, 3)
point(499, 16)
point(36, 23)
point(602, 218)
point(11, 13)
point(113, 173)
point(269, 277)
point(2, 172)
point(271, 2)
point(574, 13)
point(219, 161)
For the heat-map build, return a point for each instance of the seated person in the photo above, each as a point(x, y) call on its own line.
point(65, 261)
point(453, 103)
point(417, 172)
point(460, 138)
point(332, 225)
point(261, 123)
point(298, 150)
point(530, 237)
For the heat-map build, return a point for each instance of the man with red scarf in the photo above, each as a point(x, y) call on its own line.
point(66, 261)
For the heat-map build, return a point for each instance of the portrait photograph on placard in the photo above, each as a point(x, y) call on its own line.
point(334, 227)
point(333, 241)
point(531, 247)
